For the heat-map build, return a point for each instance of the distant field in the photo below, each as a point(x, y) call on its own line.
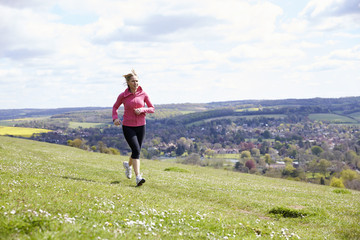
point(356, 116)
point(276, 116)
point(228, 156)
point(6, 123)
point(247, 109)
point(27, 119)
point(20, 131)
point(85, 125)
point(12, 122)
point(331, 118)
point(232, 118)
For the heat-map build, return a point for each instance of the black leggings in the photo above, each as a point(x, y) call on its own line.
point(134, 137)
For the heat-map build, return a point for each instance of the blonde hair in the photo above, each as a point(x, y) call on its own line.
point(130, 75)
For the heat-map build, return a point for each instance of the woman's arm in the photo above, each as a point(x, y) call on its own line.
point(150, 107)
point(116, 106)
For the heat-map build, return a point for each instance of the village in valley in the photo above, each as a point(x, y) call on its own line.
point(313, 140)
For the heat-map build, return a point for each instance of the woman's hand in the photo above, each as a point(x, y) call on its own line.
point(137, 111)
point(117, 122)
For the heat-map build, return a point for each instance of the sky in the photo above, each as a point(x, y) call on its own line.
point(65, 53)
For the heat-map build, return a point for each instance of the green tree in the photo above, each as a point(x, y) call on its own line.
point(316, 150)
point(323, 166)
point(288, 161)
point(288, 170)
point(77, 143)
point(209, 153)
point(352, 157)
point(238, 166)
point(349, 175)
point(313, 167)
point(102, 147)
point(255, 153)
point(245, 155)
point(266, 134)
point(156, 141)
point(267, 158)
point(180, 150)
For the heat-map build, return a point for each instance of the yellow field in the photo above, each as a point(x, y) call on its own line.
point(20, 131)
point(247, 109)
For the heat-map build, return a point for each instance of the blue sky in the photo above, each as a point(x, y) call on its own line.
point(73, 53)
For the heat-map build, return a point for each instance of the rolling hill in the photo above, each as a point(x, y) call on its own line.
point(52, 191)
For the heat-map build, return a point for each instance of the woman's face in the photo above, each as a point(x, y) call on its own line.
point(133, 83)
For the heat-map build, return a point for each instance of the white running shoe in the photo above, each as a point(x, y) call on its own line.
point(127, 169)
point(139, 180)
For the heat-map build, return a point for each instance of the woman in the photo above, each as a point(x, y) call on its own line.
point(133, 124)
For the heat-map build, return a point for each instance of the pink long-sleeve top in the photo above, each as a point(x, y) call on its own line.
point(132, 101)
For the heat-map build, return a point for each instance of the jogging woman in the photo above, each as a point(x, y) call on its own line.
point(133, 124)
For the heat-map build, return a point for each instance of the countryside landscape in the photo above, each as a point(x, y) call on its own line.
point(255, 134)
point(271, 169)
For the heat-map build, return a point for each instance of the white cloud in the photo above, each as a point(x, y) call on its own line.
point(352, 54)
point(76, 52)
point(332, 14)
point(321, 8)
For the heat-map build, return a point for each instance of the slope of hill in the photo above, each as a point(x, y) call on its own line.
point(58, 192)
point(346, 106)
point(30, 113)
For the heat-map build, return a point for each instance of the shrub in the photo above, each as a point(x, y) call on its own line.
point(337, 182)
point(245, 154)
point(288, 212)
point(349, 175)
point(193, 159)
point(250, 164)
point(274, 173)
point(114, 151)
point(354, 184)
point(342, 191)
point(214, 162)
point(175, 169)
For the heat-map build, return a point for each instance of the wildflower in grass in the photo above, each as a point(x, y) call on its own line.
point(69, 219)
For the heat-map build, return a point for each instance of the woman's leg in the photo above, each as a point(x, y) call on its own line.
point(134, 137)
point(140, 134)
point(136, 166)
point(130, 162)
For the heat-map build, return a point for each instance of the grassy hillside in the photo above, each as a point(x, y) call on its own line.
point(57, 192)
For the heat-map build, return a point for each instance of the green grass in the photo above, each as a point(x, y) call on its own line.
point(228, 156)
point(253, 109)
point(50, 191)
point(275, 116)
point(234, 118)
point(12, 122)
point(331, 118)
point(176, 169)
point(356, 115)
point(85, 125)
